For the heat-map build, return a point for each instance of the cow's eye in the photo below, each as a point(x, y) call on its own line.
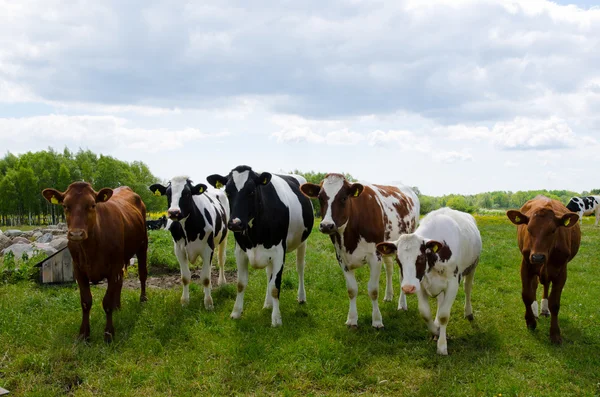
point(93, 206)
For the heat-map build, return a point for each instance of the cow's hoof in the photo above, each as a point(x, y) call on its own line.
point(545, 313)
point(402, 308)
point(352, 326)
point(268, 306)
point(221, 281)
point(209, 306)
point(83, 338)
point(442, 351)
point(235, 315)
point(302, 302)
point(377, 325)
point(143, 298)
point(556, 339)
point(388, 298)
point(184, 301)
point(470, 317)
point(108, 337)
point(531, 325)
point(276, 322)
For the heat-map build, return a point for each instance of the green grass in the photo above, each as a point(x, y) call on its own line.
point(162, 348)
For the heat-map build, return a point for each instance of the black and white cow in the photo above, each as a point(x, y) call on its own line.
point(157, 224)
point(585, 206)
point(269, 216)
point(198, 224)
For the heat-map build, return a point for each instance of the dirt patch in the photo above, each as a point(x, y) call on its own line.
point(170, 280)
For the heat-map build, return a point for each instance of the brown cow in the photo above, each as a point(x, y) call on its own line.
point(356, 217)
point(105, 230)
point(549, 238)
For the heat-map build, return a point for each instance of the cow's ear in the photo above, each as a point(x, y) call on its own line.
point(387, 248)
point(264, 178)
point(355, 190)
point(567, 220)
point(199, 189)
point(158, 189)
point(517, 217)
point(310, 189)
point(104, 195)
point(434, 245)
point(217, 181)
point(53, 196)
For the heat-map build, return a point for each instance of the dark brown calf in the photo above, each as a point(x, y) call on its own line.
point(105, 230)
point(549, 237)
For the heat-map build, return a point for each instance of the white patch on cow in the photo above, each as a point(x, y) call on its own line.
point(240, 179)
point(332, 186)
point(409, 248)
point(177, 185)
point(296, 226)
point(545, 309)
point(534, 309)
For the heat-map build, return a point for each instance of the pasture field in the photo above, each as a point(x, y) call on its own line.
point(162, 348)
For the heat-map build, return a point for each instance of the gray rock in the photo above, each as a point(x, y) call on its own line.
point(59, 243)
point(27, 234)
point(52, 227)
point(45, 238)
point(13, 233)
point(19, 249)
point(46, 248)
point(4, 242)
point(20, 240)
point(62, 226)
point(37, 234)
point(55, 232)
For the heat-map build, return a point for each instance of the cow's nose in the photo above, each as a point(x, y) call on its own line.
point(235, 225)
point(174, 214)
point(76, 235)
point(538, 258)
point(326, 227)
point(409, 289)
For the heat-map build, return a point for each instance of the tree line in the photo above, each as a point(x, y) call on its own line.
point(23, 177)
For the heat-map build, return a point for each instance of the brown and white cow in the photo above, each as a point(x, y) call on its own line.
point(105, 229)
point(358, 216)
point(549, 237)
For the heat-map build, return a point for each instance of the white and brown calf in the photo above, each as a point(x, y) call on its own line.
point(446, 246)
point(357, 216)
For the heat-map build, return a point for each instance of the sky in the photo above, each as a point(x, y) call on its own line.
point(451, 96)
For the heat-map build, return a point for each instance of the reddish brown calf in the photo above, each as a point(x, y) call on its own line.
point(549, 237)
point(105, 230)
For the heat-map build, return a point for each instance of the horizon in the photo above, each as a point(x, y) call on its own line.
point(453, 97)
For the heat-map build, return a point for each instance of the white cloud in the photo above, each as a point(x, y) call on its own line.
point(452, 156)
point(526, 134)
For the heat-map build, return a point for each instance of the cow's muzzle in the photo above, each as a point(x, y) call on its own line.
point(538, 258)
point(174, 215)
point(409, 289)
point(76, 235)
point(235, 225)
point(327, 227)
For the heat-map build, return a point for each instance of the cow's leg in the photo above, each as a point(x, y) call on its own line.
point(389, 274)
point(275, 285)
point(352, 287)
point(375, 273)
point(300, 262)
point(268, 298)
point(440, 300)
point(186, 275)
point(207, 255)
point(221, 261)
point(581, 217)
point(545, 310)
point(443, 315)
point(468, 288)
point(554, 302)
point(425, 311)
point(85, 295)
point(142, 257)
point(529, 283)
point(109, 303)
point(402, 305)
point(597, 215)
point(241, 260)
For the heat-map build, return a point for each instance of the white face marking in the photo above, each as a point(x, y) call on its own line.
point(331, 185)
point(409, 248)
point(240, 179)
point(177, 185)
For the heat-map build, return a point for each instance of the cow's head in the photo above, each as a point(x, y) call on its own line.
point(243, 189)
point(179, 192)
point(416, 257)
point(79, 203)
point(333, 194)
point(542, 227)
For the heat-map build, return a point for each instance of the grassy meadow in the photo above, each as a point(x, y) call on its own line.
point(162, 348)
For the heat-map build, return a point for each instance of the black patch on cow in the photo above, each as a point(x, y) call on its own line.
point(444, 253)
point(470, 269)
point(278, 280)
point(177, 232)
point(455, 271)
point(574, 205)
point(400, 265)
point(211, 241)
point(208, 217)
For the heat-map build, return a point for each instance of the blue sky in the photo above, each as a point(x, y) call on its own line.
point(452, 96)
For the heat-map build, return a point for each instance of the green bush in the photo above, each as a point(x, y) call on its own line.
point(160, 250)
point(12, 271)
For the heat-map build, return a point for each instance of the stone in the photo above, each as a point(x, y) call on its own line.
point(46, 248)
point(13, 233)
point(52, 227)
point(45, 238)
point(37, 234)
point(4, 242)
point(20, 240)
point(28, 234)
point(59, 243)
point(54, 232)
point(19, 249)
point(62, 226)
